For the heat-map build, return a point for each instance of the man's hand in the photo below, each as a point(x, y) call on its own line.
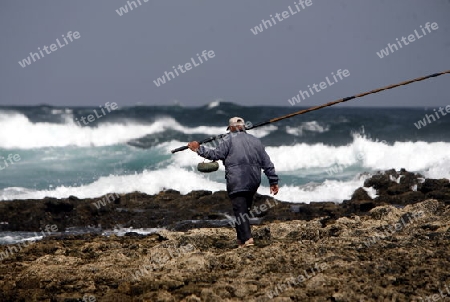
point(194, 146)
point(274, 189)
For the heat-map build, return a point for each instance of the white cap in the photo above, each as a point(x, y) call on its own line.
point(236, 121)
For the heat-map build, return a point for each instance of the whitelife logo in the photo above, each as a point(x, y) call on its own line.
point(12, 159)
point(288, 282)
point(281, 17)
point(411, 38)
point(302, 95)
point(91, 118)
point(53, 47)
point(431, 118)
point(124, 9)
point(187, 66)
point(105, 200)
point(49, 229)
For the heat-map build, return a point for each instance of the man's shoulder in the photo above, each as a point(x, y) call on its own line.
point(247, 135)
point(243, 135)
point(250, 137)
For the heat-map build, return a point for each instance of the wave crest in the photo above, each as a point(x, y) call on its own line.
point(19, 132)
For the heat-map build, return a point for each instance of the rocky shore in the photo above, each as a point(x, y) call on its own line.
point(391, 248)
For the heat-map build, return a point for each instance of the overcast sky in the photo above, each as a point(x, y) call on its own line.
point(117, 58)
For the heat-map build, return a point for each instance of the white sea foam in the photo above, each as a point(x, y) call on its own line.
point(213, 104)
point(19, 132)
point(307, 126)
point(149, 182)
point(121, 231)
point(433, 158)
point(10, 239)
point(17, 237)
point(329, 190)
point(263, 131)
point(178, 171)
point(152, 182)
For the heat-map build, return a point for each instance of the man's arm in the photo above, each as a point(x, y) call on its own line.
point(269, 170)
point(219, 153)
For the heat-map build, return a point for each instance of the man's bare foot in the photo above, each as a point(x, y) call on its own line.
point(248, 243)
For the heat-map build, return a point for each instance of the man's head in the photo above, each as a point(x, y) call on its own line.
point(236, 124)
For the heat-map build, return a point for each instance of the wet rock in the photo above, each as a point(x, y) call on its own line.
point(133, 234)
point(442, 195)
point(434, 185)
point(262, 234)
point(360, 194)
point(200, 193)
point(397, 189)
point(394, 182)
point(57, 206)
point(380, 182)
point(360, 206)
point(203, 209)
point(412, 197)
point(358, 258)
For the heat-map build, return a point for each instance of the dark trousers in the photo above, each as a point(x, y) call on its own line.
point(242, 202)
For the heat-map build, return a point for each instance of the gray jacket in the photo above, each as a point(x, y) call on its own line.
point(243, 156)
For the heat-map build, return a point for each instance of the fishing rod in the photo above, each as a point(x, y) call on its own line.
point(209, 139)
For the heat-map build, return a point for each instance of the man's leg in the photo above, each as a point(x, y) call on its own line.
point(240, 203)
point(249, 198)
point(249, 201)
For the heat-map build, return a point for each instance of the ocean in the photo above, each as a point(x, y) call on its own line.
point(320, 156)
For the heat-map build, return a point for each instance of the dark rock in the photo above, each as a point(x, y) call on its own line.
point(199, 193)
point(412, 197)
point(392, 182)
point(397, 189)
point(134, 234)
point(57, 206)
point(359, 206)
point(360, 194)
point(401, 199)
point(433, 185)
point(410, 179)
point(379, 182)
point(262, 234)
point(200, 209)
point(170, 191)
point(439, 195)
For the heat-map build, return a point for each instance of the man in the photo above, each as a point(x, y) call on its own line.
point(243, 156)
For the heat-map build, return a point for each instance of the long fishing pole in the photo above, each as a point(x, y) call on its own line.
point(209, 139)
